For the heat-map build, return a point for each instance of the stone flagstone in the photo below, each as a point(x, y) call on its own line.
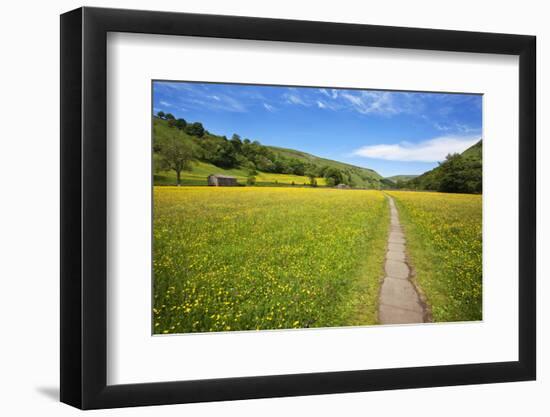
point(395, 255)
point(396, 237)
point(400, 293)
point(398, 247)
point(397, 269)
point(395, 315)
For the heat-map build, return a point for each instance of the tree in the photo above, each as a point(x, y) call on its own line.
point(176, 155)
point(169, 116)
point(281, 166)
point(195, 129)
point(297, 167)
point(236, 142)
point(161, 115)
point(251, 169)
point(334, 176)
point(321, 171)
point(264, 164)
point(348, 179)
point(459, 174)
point(224, 155)
point(311, 175)
point(181, 123)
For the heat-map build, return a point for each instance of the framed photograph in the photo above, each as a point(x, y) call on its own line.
point(256, 208)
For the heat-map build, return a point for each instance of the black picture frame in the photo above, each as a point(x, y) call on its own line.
point(84, 207)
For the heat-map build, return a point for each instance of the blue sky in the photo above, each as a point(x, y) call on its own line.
point(390, 132)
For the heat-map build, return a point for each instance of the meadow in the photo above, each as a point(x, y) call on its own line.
point(245, 258)
point(444, 241)
point(201, 171)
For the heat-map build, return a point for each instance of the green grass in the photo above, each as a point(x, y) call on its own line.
point(266, 258)
point(444, 241)
point(201, 171)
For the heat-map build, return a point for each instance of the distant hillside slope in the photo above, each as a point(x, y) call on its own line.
point(242, 158)
point(459, 173)
point(362, 177)
point(395, 178)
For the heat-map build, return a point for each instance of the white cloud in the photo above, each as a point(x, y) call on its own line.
point(269, 107)
point(186, 95)
point(441, 126)
point(333, 93)
point(455, 127)
point(431, 150)
point(465, 128)
point(328, 104)
point(353, 99)
point(295, 99)
point(222, 102)
point(373, 102)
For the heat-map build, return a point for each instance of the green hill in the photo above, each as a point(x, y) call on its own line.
point(459, 173)
point(474, 152)
point(395, 178)
point(360, 177)
point(242, 158)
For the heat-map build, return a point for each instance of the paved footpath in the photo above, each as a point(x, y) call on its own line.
point(398, 301)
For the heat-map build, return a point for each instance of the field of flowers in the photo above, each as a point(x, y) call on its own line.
point(266, 258)
point(444, 240)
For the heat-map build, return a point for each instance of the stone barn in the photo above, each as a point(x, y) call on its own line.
point(218, 180)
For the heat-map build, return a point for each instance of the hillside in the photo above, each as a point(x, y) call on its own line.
point(395, 178)
point(459, 173)
point(362, 177)
point(474, 152)
point(242, 158)
point(201, 170)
